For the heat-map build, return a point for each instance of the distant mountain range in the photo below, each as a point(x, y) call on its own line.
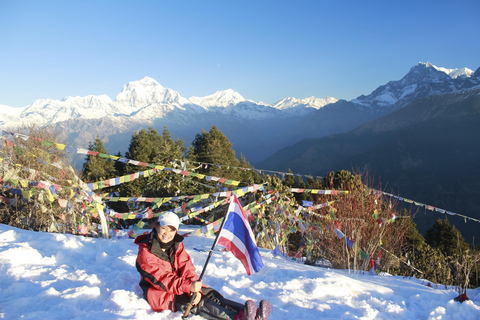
point(255, 129)
point(146, 103)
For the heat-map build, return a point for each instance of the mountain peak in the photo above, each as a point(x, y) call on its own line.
point(222, 98)
point(453, 73)
point(146, 81)
point(147, 91)
point(312, 102)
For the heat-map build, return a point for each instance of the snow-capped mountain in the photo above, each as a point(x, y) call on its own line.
point(220, 99)
point(454, 73)
point(49, 111)
point(7, 114)
point(422, 80)
point(291, 104)
point(143, 100)
point(145, 92)
point(256, 129)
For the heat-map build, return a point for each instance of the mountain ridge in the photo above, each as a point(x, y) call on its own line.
point(146, 103)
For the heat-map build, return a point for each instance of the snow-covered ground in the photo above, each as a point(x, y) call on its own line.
point(58, 276)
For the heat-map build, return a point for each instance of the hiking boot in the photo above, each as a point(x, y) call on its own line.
point(249, 312)
point(263, 311)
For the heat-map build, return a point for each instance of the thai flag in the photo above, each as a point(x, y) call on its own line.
point(238, 238)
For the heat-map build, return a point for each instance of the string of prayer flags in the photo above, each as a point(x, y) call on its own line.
point(5, 135)
point(317, 191)
point(419, 204)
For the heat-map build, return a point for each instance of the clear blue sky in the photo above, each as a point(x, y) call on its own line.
point(265, 50)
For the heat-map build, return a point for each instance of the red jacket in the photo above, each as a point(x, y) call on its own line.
point(161, 280)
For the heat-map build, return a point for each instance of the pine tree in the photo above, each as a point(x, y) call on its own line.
point(289, 179)
point(248, 176)
point(215, 150)
point(118, 165)
point(97, 168)
point(447, 238)
point(151, 148)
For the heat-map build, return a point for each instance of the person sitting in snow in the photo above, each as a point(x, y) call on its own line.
point(169, 279)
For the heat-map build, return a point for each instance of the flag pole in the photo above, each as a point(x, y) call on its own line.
point(190, 304)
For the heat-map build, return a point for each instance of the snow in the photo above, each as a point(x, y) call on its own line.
point(10, 111)
point(61, 276)
point(453, 73)
point(386, 98)
point(141, 93)
point(311, 102)
point(221, 99)
point(407, 90)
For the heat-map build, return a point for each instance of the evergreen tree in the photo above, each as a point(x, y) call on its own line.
point(289, 179)
point(118, 165)
point(97, 168)
point(342, 180)
point(151, 148)
point(313, 184)
point(214, 149)
point(292, 181)
point(247, 176)
point(447, 238)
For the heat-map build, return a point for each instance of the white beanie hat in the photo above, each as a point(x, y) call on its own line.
point(169, 219)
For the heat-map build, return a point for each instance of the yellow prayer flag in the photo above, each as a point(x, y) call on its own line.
point(24, 183)
point(49, 195)
point(59, 146)
point(131, 216)
point(141, 224)
point(146, 174)
point(26, 194)
point(356, 248)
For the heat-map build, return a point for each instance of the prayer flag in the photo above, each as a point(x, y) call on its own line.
point(306, 203)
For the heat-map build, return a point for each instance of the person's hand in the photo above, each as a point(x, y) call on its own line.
point(196, 286)
point(198, 297)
